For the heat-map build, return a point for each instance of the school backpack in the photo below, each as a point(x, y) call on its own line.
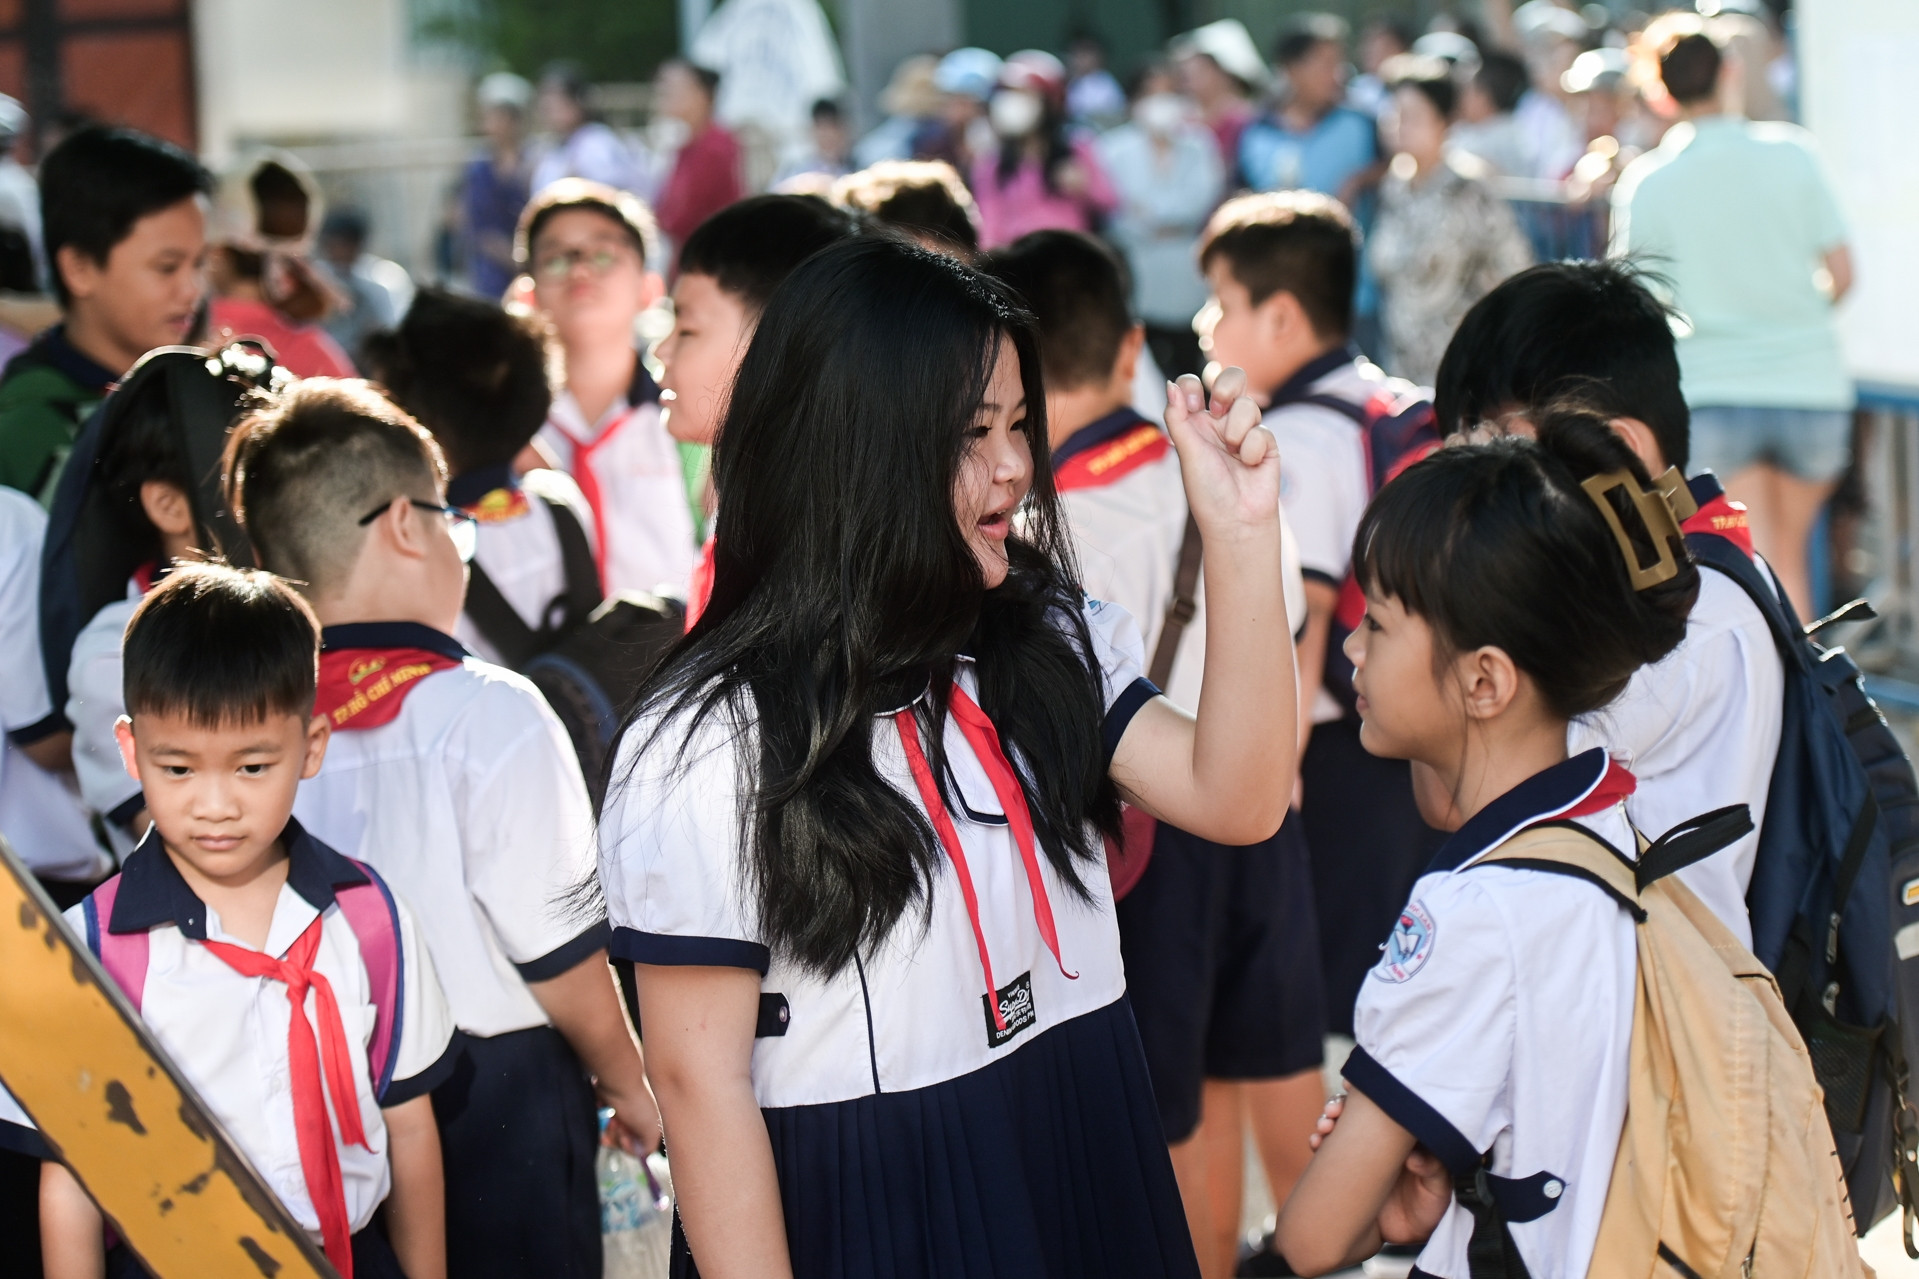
point(1726, 1166)
point(1397, 427)
point(589, 653)
point(369, 911)
point(1834, 897)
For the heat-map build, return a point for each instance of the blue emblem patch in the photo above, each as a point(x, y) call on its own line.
point(1410, 945)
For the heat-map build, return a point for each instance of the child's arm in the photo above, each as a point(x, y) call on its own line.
point(1365, 1186)
point(699, 1030)
point(1228, 775)
point(584, 1005)
point(416, 1207)
point(73, 1241)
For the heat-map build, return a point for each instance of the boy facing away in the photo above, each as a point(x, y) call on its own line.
point(251, 971)
point(453, 777)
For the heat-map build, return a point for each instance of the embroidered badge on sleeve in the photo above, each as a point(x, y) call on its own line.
point(1410, 945)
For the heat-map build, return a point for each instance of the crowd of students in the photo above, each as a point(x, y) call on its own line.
point(1041, 776)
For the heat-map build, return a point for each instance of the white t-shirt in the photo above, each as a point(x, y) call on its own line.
point(911, 1015)
point(40, 812)
point(470, 803)
point(629, 469)
point(1499, 1019)
point(519, 547)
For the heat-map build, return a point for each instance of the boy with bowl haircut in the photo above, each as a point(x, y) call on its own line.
point(240, 952)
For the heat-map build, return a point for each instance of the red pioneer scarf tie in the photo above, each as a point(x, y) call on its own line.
point(365, 687)
point(1727, 518)
point(319, 1160)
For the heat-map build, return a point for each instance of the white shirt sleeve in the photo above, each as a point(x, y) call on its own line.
point(1322, 487)
point(95, 702)
point(23, 681)
point(420, 1059)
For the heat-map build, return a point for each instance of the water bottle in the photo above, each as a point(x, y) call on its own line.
point(636, 1212)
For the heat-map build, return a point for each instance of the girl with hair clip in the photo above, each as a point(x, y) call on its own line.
point(854, 838)
point(1511, 586)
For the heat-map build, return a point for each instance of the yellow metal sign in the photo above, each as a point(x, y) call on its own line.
point(81, 1062)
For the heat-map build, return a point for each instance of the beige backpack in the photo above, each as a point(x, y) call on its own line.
point(1726, 1166)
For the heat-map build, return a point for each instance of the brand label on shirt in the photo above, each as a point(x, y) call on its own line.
point(1015, 1009)
point(1409, 947)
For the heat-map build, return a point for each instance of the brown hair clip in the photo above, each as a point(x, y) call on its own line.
point(1662, 508)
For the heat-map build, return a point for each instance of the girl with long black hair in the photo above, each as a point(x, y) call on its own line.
point(853, 841)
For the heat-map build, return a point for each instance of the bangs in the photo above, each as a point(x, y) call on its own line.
point(219, 647)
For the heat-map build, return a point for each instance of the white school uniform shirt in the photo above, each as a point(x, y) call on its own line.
point(227, 1032)
point(1700, 730)
point(629, 469)
point(1323, 476)
point(95, 702)
point(910, 1015)
point(40, 812)
point(470, 803)
point(517, 543)
point(1498, 1020)
point(1127, 525)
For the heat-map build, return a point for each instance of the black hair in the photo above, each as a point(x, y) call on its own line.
point(753, 244)
point(1689, 68)
point(1307, 32)
point(98, 182)
point(827, 109)
point(624, 210)
point(708, 78)
point(303, 469)
point(1502, 77)
point(1431, 78)
point(144, 447)
point(1298, 241)
point(1591, 329)
point(469, 372)
point(347, 223)
point(923, 197)
point(1051, 131)
point(1077, 290)
point(221, 646)
point(1498, 544)
point(843, 588)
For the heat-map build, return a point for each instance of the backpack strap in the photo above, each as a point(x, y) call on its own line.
point(1721, 555)
point(583, 590)
point(1693, 840)
point(498, 620)
point(123, 955)
point(1182, 608)
point(1564, 848)
point(501, 623)
point(371, 913)
point(1491, 1252)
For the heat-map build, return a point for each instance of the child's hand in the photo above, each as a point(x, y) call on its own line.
point(635, 1126)
point(1418, 1200)
point(1324, 1125)
point(1229, 461)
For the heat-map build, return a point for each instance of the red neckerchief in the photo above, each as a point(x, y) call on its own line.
point(499, 505)
point(984, 739)
point(1118, 457)
point(1725, 518)
point(364, 687)
point(589, 481)
point(1615, 786)
point(306, 1058)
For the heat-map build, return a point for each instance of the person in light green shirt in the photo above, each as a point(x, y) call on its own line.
point(1739, 219)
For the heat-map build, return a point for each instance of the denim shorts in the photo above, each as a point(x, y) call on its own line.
point(1811, 444)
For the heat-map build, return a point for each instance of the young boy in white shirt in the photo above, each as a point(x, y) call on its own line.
point(1221, 949)
point(230, 931)
point(454, 777)
point(587, 248)
point(1282, 268)
point(1700, 729)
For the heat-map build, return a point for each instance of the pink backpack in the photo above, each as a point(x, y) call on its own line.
point(369, 912)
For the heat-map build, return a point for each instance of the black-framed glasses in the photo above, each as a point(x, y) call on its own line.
point(460, 526)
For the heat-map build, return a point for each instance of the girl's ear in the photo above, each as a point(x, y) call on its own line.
point(1489, 681)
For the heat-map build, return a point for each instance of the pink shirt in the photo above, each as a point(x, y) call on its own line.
point(1024, 204)
point(305, 350)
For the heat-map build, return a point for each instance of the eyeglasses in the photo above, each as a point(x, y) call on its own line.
point(557, 266)
point(461, 527)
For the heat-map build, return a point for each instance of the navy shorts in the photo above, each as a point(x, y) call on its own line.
point(1222, 966)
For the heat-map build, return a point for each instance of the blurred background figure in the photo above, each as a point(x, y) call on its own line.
point(496, 183)
point(1219, 69)
point(965, 78)
point(826, 153)
point(579, 145)
point(1094, 98)
point(1165, 169)
point(1442, 239)
point(19, 206)
point(1311, 139)
point(1487, 126)
point(1550, 37)
point(1038, 177)
point(265, 215)
point(922, 198)
point(706, 176)
point(911, 103)
point(1385, 35)
point(376, 291)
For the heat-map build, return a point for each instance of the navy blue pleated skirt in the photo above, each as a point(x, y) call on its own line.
point(1048, 1164)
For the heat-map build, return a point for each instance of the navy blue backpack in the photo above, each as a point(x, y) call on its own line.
point(1835, 881)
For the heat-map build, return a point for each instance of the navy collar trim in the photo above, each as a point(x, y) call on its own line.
point(1301, 382)
point(392, 635)
point(153, 892)
point(1705, 487)
point(469, 487)
point(1096, 433)
point(60, 353)
point(1540, 798)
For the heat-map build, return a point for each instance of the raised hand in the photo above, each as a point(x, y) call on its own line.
point(1230, 462)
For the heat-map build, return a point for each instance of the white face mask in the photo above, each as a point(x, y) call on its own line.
point(1014, 112)
point(1160, 114)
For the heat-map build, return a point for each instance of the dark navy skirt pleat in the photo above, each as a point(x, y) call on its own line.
point(1048, 1164)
